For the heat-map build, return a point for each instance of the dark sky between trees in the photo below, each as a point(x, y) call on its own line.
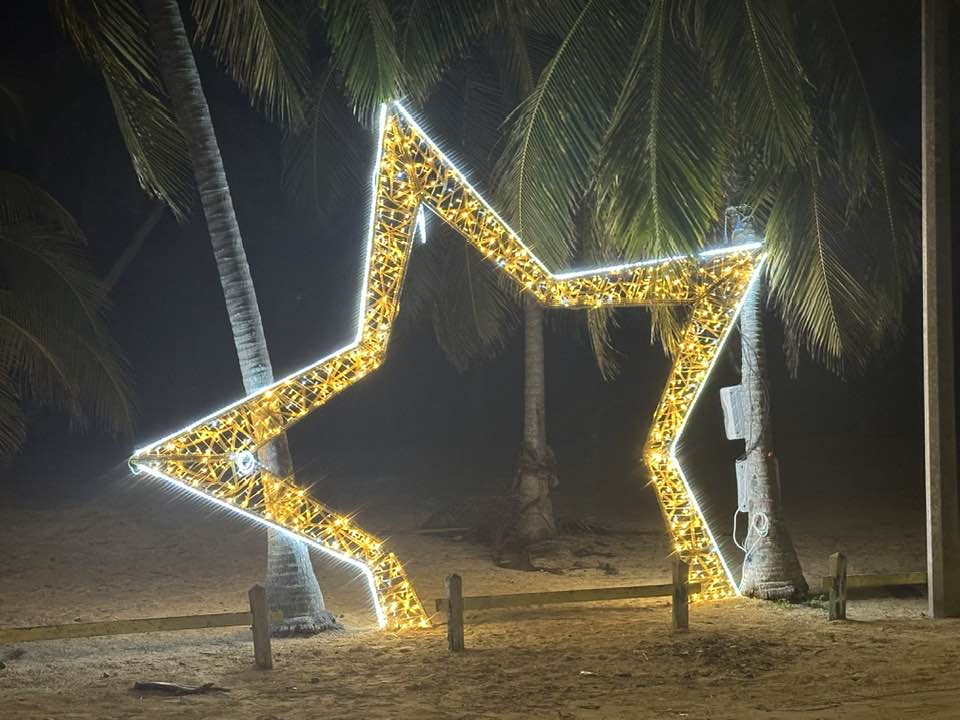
point(416, 415)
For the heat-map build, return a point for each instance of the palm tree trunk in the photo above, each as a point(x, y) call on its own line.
point(536, 473)
point(771, 569)
point(291, 584)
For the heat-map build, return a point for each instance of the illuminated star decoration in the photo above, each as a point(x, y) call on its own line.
point(220, 457)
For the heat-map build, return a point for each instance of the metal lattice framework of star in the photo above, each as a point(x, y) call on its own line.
point(220, 458)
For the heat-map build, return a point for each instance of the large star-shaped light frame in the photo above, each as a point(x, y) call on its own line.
point(219, 457)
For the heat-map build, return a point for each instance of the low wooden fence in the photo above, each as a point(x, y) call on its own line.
point(258, 619)
point(837, 583)
point(456, 603)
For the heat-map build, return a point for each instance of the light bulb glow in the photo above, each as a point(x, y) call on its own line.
point(245, 461)
point(215, 457)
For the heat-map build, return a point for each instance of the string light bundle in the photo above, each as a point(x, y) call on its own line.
point(221, 457)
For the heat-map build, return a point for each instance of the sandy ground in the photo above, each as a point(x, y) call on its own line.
point(134, 550)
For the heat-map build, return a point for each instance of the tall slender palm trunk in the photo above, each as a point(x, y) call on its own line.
point(291, 584)
point(771, 569)
point(536, 472)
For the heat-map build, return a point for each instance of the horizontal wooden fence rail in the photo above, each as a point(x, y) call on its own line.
point(490, 602)
point(125, 627)
point(878, 581)
point(456, 603)
point(258, 619)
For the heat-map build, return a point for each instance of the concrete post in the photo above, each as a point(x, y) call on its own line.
point(943, 513)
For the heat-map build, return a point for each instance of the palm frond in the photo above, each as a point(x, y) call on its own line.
point(820, 276)
point(550, 155)
point(667, 323)
point(751, 48)
point(54, 348)
point(467, 106)
point(436, 34)
point(27, 353)
point(112, 35)
point(665, 154)
point(13, 421)
point(264, 48)
point(873, 177)
point(362, 35)
point(844, 247)
point(846, 112)
point(596, 251)
point(324, 158)
point(472, 314)
point(509, 48)
point(601, 324)
point(22, 200)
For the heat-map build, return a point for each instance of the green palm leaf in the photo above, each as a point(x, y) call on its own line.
point(874, 178)
point(472, 313)
point(824, 302)
point(325, 158)
point(54, 348)
point(112, 34)
point(468, 106)
point(550, 155)
point(362, 36)
point(22, 201)
point(263, 46)
point(437, 34)
point(752, 51)
point(664, 158)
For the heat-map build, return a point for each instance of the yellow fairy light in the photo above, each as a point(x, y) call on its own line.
point(216, 458)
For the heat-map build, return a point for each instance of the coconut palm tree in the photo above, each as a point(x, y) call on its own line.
point(291, 583)
point(473, 314)
point(507, 84)
point(266, 48)
point(653, 117)
point(165, 147)
point(536, 474)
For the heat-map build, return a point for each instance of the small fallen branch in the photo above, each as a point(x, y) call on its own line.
point(174, 689)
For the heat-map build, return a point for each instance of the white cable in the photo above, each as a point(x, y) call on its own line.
point(761, 525)
point(736, 514)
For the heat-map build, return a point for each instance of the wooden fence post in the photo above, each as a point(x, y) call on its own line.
point(454, 585)
point(681, 595)
point(260, 614)
point(838, 586)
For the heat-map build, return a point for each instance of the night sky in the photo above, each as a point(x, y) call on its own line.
point(430, 424)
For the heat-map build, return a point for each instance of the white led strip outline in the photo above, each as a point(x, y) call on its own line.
point(362, 567)
point(420, 228)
